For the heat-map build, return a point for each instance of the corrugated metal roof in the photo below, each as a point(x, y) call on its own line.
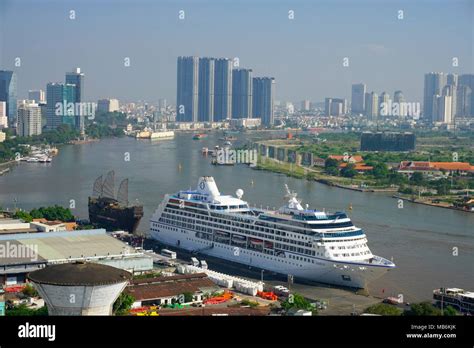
point(63, 245)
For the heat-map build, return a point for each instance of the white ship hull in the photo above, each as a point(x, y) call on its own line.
point(346, 274)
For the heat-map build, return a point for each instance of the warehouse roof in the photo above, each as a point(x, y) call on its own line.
point(79, 273)
point(55, 246)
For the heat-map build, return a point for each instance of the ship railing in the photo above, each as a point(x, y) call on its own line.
point(377, 260)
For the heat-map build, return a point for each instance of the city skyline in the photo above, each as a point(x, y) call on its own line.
point(307, 66)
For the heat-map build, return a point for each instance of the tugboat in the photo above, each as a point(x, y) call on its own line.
point(112, 213)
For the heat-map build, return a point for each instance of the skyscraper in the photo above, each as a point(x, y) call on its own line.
point(8, 94)
point(371, 106)
point(58, 96)
point(384, 101)
point(187, 89)
point(442, 109)
point(452, 79)
point(29, 119)
point(450, 90)
point(463, 101)
point(76, 78)
point(358, 98)
point(434, 82)
point(398, 97)
point(206, 90)
point(468, 80)
point(263, 89)
point(222, 89)
point(242, 93)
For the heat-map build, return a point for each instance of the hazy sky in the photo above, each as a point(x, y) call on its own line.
point(305, 54)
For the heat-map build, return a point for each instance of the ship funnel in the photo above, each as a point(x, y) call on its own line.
point(207, 186)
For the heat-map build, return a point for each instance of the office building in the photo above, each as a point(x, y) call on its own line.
point(60, 105)
point(358, 98)
point(8, 94)
point(242, 93)
point(76, 78)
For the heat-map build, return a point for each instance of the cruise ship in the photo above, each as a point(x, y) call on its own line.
point(295, 241)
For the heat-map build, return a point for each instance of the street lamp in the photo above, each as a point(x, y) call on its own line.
point(261, 275)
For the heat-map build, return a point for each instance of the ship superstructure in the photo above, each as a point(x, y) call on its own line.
point(304, 243)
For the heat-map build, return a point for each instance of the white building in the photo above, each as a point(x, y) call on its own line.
point(108, 105)
point(442, 108)
point(3, 115)
point(29, 119)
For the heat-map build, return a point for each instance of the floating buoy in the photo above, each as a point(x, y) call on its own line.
point(350, 206)
point(180, 167)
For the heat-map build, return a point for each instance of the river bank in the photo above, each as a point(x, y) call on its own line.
point(301, 172)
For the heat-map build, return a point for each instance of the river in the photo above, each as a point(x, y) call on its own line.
point(432, 247)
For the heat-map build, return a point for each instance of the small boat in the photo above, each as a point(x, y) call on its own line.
point(199, 136)
point(268, 245)
point(255, 241)
point(236, 238)
point(227, 143)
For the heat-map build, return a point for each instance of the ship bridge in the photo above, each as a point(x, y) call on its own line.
point(207, 192)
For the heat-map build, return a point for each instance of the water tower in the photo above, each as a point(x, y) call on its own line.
point(80, 288)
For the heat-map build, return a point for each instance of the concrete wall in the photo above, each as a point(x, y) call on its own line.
point(80, 300)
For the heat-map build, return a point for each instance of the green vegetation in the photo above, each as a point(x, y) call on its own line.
point(49, 213)
point(63, 134)
point(30, 291)
point(247, 302)
point(423, 309)
point(148, 275)
point(23, 310)
point(297, 301)
point(123, 304)
point(188, 297)
point(384, 309)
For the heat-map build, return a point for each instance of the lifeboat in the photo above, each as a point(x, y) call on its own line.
point(268, 245)
point(255, 241)
point(236, 238)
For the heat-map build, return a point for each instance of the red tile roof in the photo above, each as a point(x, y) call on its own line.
point(356, 158)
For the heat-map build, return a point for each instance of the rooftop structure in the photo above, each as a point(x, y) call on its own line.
point(80, 288)
point(28, 252)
